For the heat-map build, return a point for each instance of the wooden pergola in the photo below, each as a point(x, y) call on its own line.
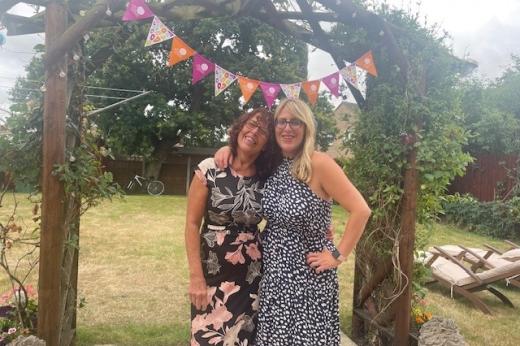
point(65, 23)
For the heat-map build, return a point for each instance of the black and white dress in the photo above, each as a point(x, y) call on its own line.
point(297, 305)
point(231, 258)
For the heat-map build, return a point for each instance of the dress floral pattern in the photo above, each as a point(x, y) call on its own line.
point(231, 258)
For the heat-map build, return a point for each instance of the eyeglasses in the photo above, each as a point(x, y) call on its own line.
point(293, 123)
point(252, 124)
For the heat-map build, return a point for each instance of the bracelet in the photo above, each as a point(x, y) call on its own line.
point(338, 256)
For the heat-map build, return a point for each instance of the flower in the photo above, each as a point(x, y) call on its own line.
point(11, 330)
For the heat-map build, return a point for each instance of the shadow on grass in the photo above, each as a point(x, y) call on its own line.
point(134, 335)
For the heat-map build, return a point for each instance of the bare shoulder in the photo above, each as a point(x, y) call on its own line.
point(321, 161)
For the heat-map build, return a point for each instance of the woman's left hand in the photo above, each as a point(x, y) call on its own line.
point(321, 261)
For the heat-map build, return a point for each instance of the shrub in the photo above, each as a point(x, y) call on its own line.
point(500, 219)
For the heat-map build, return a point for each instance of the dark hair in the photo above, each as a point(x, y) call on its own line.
point(271, 155)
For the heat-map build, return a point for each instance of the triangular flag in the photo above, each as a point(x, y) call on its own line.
point(332, 82)
point(292, 91)
point(350, 75)
point(248, 87)
point(366, 62)
point(158, 33)
point(137, 10)
point(270, 91)
point(180, 51)
point(223, 79)
point(311, 89)
point(201, 68)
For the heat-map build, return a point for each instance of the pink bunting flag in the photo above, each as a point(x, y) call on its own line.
point(201, 68)
point(158, 33)
point(270, 91)
point(332, 82)
point(223, 79)
point(350, 75)
point(137, 10)
point(292, 91)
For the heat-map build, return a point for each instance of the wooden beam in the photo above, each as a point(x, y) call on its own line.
point(53, 194)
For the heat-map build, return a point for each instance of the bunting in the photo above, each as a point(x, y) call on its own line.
point(350, 75)
point(366, 62)
point(248, 87)
point(311, 89)
point(180, 51)
point(158, 33)
point(137, 10)
point(270, 91)
point(292, 91)
point(332, 82)
point(201, 68)
point(223, 79)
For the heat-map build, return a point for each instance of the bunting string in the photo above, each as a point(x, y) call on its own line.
point(352, 73)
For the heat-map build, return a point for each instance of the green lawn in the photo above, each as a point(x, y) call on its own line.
point(133, 278)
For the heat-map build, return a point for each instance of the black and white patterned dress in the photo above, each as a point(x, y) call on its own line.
point(297, 305)
point(231, 258)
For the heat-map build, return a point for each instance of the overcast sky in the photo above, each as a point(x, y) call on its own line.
point(483, 30)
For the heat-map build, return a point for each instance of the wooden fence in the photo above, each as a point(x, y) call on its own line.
point(488, 177)
point(176, 173)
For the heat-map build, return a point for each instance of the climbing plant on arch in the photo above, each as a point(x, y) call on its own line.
point(65, 24)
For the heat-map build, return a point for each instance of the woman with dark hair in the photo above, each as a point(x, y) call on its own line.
point(224, 255)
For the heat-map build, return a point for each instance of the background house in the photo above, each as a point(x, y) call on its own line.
point(346, 115)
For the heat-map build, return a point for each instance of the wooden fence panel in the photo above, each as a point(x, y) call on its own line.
point(488, 177)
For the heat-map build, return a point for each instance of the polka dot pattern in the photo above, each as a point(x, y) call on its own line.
point(297, 305)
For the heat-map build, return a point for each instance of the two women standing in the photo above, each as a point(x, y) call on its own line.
point(298, 298)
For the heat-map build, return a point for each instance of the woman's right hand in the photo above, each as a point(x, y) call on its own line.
point(223, 157)
point(198, 292)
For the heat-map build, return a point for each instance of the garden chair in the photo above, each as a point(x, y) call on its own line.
point(482, 259)
point(451, 273)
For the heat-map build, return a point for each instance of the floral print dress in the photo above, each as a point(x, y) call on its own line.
point(231, 258)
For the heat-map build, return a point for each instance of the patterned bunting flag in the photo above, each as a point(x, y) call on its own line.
point(223, 79)
point(292, 91)
point(270, 91)
point(366, 62)
point(332, 82)
point(158, 33)
point(248, 87)
point(137, 10)
point(201, 68)
point(180, 51)
point(311, 89)
point(350, 75)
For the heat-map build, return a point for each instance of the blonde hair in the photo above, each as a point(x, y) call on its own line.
point(301, 167)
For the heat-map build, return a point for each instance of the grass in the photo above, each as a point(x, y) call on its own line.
point(133, 278)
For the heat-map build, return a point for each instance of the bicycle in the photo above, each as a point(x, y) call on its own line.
point(153, 187)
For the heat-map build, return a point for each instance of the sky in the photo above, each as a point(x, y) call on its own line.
point(485, 31)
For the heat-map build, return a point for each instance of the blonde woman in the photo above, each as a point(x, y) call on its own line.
point(299, 286)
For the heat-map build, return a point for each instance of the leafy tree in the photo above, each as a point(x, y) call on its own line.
point(178, 111)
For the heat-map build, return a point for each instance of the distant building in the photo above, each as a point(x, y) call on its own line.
point(346, 115)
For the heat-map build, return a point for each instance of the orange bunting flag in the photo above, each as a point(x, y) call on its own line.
point(248, 87)
point(180, 51)
point(311, 89)
point(366, 62)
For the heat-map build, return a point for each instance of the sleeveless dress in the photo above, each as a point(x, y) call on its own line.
point(297, 305)
point(231, 258)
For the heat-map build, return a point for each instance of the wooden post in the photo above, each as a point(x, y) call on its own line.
point(408, 219)
point(406, 247)
point(53, 194)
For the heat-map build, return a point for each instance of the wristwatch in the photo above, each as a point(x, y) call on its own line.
point(338, 256)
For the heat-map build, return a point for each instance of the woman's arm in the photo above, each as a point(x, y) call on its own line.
point(335, 184)
point(197, 196)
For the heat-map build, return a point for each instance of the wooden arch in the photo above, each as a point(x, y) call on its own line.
point(56, 318)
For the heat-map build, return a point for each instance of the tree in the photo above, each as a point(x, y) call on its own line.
point(178, 111)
